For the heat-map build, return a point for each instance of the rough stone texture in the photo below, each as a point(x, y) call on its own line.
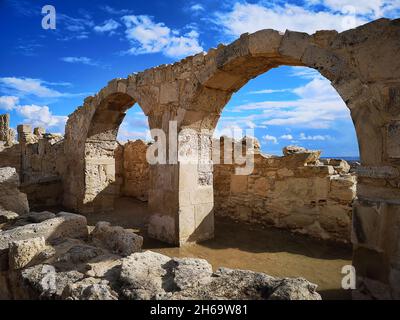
point(7, 134)
point(89, 289)
point(7, 216)
point(117, 239)
point(10, 197)
point(22, 252)
point(142, 275)
point(296, 192)
point(135, 170)
point(63, 225)
point(362, 65)
point(149, 275)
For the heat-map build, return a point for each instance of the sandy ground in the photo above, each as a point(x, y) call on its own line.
point(237, 245)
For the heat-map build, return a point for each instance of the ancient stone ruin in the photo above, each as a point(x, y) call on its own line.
point(84, 171)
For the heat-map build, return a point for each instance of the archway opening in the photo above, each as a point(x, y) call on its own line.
point(132, 170)
point(302, 185)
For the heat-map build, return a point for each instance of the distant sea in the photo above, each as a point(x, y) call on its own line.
point(344, 158)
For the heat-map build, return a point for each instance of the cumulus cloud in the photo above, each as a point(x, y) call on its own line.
point(246, 17)
point(269, 138)
point(371, 8)
point(318, 106)
point(82, 60)
point(29, 86)
point(8, 103)
point(268, 91)
point(70, 28)
point(286, 137)
point(197, 7)
point(108, 26)
point(39, 116)
point(304, 136)
point(115, 11)
point(147, 36)
point(135, 126)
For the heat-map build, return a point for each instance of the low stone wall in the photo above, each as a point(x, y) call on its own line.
point(38, 158)
point(133, 170)
point(296, 191)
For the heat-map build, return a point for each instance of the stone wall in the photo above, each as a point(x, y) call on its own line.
point(133, 170)
point(297, 191)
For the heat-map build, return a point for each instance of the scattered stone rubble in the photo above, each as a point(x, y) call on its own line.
point(74, 265)
point(54, 256)
point(361, 63)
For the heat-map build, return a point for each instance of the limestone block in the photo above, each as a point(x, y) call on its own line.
point(393, 139)
point(204, 221)
point(162, 227)
point(187, 222)
point(288, 150)
point(343, 187)
point(190, 272)
point(372, 226)
point(10, 197)
point(203, 194)
point(264, 43)
point(297, 221)
point(294, 44)
point(384, 172)
point(261, 186)
point(239, 184)
point(169, 93)
point(117, 239)
point(7, 216)
point(63, 225)
point(22, 252)
point(142, 275)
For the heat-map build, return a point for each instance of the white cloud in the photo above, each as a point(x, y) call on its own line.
point(246, 17)
point(83, 60)
point(147, 36)
point(269, 138)
point(268, 91)
point(38, 116)
point(303, 136)
point(371, 8)
point(8, 103)
point(108, 26)
point(74, 28)
point(115, 11)
point(304, 73)
point(36, 87)
point(31, 86)
point(318, 106)
point(197, 7)
point(286, 137)
point(41, 116)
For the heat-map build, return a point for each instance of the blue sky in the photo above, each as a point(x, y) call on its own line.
point(45, 74)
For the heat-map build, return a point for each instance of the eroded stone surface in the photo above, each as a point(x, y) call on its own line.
point(117, 239)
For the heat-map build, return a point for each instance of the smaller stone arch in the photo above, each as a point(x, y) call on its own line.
point(91, 141)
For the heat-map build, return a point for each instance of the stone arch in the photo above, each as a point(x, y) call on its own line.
point(91, 139)
point(359, 65)
point(362, 64)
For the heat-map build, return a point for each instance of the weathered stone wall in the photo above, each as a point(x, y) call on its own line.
point(296, 191)
point(133, 170)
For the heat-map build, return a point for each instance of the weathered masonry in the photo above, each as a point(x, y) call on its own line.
point(363, 65)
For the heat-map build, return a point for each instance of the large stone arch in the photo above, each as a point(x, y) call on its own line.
point(362, 64)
